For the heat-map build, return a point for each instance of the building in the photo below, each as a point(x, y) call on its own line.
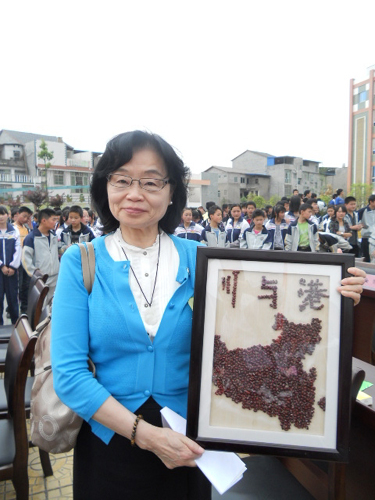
point(262, 174)
point(361, 164)
point(21, 169)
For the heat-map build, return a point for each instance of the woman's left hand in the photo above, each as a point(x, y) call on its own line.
point(352, 287)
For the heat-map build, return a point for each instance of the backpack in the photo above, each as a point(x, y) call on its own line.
point(53, 426)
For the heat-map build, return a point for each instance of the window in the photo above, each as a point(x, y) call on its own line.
point(288, 176)
point(363, 96)
point(288, 190)
point(256, 181)
point(58, 178)
point(242, 180)
point(78, 179)
point(247, 180)
point(218, 194)
point(235, 179)
point(16, 154)
point(299, 180)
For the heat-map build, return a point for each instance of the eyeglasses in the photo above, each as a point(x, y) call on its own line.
point(147, 183)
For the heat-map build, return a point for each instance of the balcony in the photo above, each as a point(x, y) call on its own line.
point(12, 163)
point(72, 162)
point(19, 178)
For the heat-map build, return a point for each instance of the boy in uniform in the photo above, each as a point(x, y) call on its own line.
point(257, 236)
point(76, 232)
point(302, 234)
point(352, 219)
point(40, 249)
point(24, 279)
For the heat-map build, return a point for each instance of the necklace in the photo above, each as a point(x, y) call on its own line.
point(148, 304)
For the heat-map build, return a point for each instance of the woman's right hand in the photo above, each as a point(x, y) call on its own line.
point(173, 449)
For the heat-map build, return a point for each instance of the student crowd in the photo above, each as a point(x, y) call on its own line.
point(36, 241)
point(296, 224)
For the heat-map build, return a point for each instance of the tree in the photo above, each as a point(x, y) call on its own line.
point(69, 199)
point(37, 196)
point(361, 192)
point(81, 198)
point(46, 156)
point(56, 201)
point(11, 202)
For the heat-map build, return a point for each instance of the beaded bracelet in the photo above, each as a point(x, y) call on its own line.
point(136, 422)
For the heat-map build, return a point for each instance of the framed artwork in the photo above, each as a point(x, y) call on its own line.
point(271, 357)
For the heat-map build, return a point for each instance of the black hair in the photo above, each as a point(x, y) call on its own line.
point(251, 203)
point(305, 206)
point(371, 198)
point(213, 209)
point(266, 208)
point(187, 208)
point(306, 192)
point(45, 213)
point(295, 189)
point(294, 204)
point(209, 204)
point(343, 208)
point(224, 206)
point(14, 211)
point(334, 195)
point(339, 191)
point(314, 195)
point(76, 209)
point(279, 208)
point(236, 205)
point(118, 152)
point(3, 210)
point(258, 213)
point(348, 199)
point(25, 209)
point(196, 215)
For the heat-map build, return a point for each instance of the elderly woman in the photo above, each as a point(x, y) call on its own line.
point(136, 327)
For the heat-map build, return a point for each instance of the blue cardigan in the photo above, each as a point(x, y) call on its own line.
point(107, 327)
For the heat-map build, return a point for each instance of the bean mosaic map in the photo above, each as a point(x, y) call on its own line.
point(279, 381)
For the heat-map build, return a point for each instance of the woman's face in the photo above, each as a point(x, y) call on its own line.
point(133, 206)
point(236, 213)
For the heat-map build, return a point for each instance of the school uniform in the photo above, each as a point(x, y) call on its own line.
point(292, 238)
point(214, 237)
point(253, 240)
point(10, 256)
point(193, 232)
point(70, 237)
point(352, 220)
point(273, 230)
point(368, 221)
point(235, 230)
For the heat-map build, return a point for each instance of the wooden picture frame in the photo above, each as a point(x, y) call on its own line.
point(271, 356)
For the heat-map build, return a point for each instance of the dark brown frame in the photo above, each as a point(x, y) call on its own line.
point(338, 452)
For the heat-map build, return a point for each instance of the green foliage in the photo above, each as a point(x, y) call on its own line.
point(69, 199)
point(243, 199)
point(46, 156)
point(273, 200)
point(36, 196)
point(326, 198)
point(361, 192)
point(81, 198)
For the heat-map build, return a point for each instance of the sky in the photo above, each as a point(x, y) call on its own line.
point(214, 78)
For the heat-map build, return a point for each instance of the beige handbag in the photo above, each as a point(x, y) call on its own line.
point(53, 426)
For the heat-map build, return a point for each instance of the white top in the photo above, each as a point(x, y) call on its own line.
point(143, 262)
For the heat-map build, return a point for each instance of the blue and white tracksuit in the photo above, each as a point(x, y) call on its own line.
point(271, 228)
point(193, 232)
point(10, 256)
point(235, 230)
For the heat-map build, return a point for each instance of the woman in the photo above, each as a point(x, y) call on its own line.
point(236, 225)
point(136, 326)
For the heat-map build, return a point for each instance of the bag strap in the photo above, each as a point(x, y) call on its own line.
point(88, 265)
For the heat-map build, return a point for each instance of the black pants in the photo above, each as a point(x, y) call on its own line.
point(365, 249)
point(9, 287)
point(118, 471)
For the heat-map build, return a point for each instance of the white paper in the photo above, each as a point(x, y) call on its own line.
point(222, 469)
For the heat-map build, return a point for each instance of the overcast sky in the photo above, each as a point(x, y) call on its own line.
point(214, 78)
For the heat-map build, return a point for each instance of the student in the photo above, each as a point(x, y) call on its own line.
point(205, 215)
point(368, 223)
point(307, 193)
point(214, 234)
point(295, 192)
point(277, 227)
point(250, 207)
point(339, 198)
point(23, 278)
point(324, 225)
point(338, 224)
point(294, 204)
point(236, 226)
point(76, 232)
point(225, 210)
point(256, 237)
point(315, 218)
point(188, 229)
point(269, 211)
point(10, 257)
point(352, 219)
point(302, 234)
point(40, 249)
point(333, 200)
